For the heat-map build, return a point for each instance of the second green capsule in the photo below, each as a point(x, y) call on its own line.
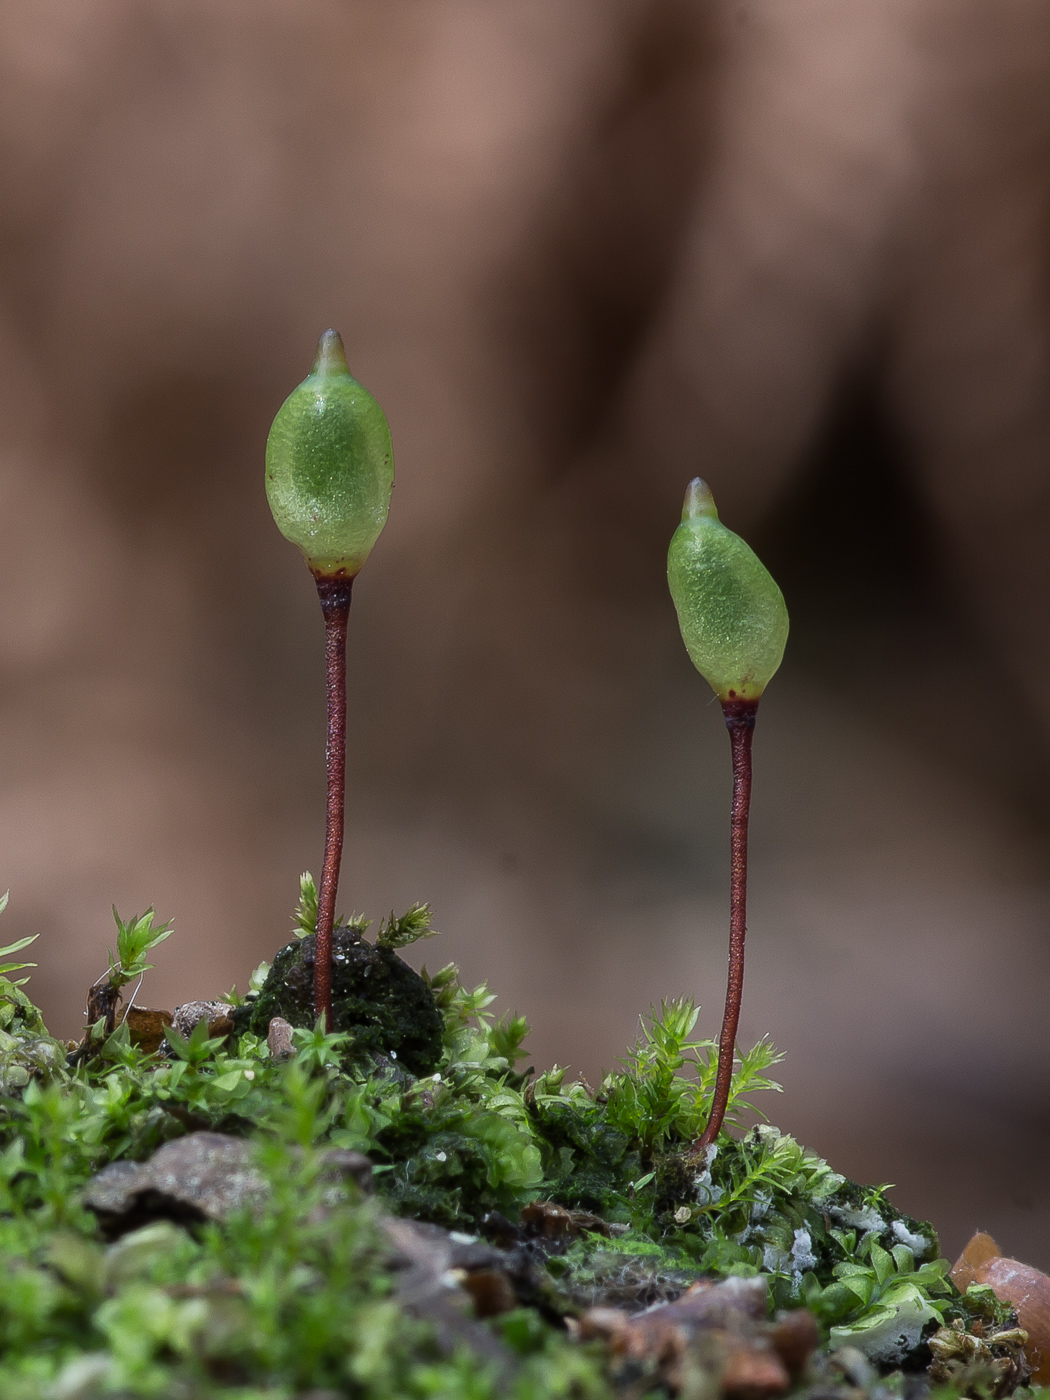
point(733, 616)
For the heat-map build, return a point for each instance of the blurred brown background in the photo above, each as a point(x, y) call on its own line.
point(580, 252)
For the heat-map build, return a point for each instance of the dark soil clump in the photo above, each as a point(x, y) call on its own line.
point(384, 1004)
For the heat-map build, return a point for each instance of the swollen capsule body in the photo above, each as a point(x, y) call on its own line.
point(732, 615)
point(330, 466)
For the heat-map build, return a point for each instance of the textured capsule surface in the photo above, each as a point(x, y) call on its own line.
point(330, 466)
point(732, 615)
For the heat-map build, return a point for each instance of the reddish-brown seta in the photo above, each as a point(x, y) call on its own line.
point(334, 594)
point(740, 721)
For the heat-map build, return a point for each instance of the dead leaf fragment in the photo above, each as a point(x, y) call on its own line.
point(554, 1222)
point(551, 1221)
point(977, 1362)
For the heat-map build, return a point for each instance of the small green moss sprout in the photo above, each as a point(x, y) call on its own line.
point(136, 937)
point(399, 931)
point(304, 920)
point(16, 947)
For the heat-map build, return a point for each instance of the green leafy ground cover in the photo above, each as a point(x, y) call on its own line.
point(297, 1298)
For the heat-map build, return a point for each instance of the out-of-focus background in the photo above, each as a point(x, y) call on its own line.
point(580, 252)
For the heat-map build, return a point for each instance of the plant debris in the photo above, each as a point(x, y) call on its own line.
point(717, 1330)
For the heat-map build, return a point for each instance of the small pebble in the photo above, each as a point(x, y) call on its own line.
point(279, 1039)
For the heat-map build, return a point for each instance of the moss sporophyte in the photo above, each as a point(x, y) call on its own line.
point(329, 475)
point(185, 1205)
point(734, 624)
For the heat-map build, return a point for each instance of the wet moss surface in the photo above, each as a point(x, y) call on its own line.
point(382, 1002)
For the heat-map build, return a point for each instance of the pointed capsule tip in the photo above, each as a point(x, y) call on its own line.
point(698, 501)
point(331, 357)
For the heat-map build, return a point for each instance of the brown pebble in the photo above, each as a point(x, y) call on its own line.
point(722, 1304)
point(491, 1291)
point(605, 1324)
point(343, 1163)
point(752, 1373)
point(279, 1039)
point(795, 1338)
point(717, 1328)
point(146, 1027)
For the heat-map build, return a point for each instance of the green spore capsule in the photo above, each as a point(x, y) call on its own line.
point(732, 614)
point(330, 466)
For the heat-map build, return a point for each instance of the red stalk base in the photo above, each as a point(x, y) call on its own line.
point(334, 594)
point(740, 721)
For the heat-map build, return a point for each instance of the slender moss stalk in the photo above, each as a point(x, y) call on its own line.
point(329, 474)
point(740, 721)
point(734, 624)
point(335, 605)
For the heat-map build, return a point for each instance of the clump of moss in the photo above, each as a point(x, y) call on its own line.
point(307, 1295)
point(26, 1049)
point(381, 1002)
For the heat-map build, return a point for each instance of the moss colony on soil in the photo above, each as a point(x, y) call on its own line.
point(253, 1251)
point(385, 1006)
